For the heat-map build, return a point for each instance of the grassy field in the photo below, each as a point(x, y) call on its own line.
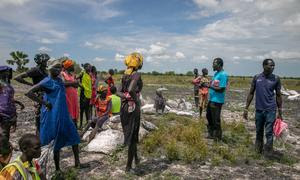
point(177, 80)
point(235, 82)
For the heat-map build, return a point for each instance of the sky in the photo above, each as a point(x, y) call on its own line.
point(172, 35)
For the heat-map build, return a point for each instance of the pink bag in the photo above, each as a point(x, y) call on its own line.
point(278, 127)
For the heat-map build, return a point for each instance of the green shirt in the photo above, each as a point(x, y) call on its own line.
point(116, 103)
point(87, 85)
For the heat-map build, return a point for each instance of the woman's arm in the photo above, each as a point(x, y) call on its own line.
point(31, 94)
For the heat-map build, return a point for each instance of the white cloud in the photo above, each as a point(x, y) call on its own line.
point(66, 55)
point(248, 57)
point(203, 57)
point(46, 41)
point(98, 59)
point(282, 55)
point(13, 2)
point(88, 44)
point(141, 50)
point(206, 3)
point(45, 49)
point(157, 49)
point(119, 57)
point(179, 55)
point(293, 21)
point(29, 23)
point(236, 57)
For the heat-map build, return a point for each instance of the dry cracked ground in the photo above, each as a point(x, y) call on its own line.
point(160, 167)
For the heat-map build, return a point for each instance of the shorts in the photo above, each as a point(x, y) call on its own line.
point(203, 100)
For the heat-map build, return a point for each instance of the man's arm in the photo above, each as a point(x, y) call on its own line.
point(250, 97)
point(217, 89)
point(21, 79)
point(279, 99)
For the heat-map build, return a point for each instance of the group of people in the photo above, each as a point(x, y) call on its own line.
point(58, 105)
point(265, 86)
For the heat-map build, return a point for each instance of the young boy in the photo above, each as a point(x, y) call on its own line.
point(5, 151)
point(24, 167)
point(203, 90)
point(160, 102)
point(103, 112)
point(115, 101)
point(8, 113)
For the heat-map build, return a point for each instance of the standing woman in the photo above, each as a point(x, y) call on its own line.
point(71, 85)
point(132, 85)
point(56, 123)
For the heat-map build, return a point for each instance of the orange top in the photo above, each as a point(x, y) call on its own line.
point(102, 105)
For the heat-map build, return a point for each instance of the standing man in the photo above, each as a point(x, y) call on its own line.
point(217, 89)
point(36, 74)
point(196, 83)
point(85, 93)
point(265, 83)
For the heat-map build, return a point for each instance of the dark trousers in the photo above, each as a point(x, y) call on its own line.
point(264, 120)
point(213, 115)
point(84, 108)
point(196, 97)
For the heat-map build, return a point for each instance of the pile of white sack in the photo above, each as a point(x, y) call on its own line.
point(178, 106)
point(111, 136)
point(291, 94)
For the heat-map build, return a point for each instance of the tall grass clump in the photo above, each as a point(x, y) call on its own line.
point(177, 138)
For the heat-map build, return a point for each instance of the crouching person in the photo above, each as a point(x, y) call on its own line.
point(25, 167)
point(103, 112)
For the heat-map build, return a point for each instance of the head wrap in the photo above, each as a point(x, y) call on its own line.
point(133, 62)
point(7, 68)
point(40, 58)
point(52, 64)
point(68, 63)
point(101, 89)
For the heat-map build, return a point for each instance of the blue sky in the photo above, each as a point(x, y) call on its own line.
point(173, 35)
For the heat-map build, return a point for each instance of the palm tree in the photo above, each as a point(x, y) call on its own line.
point(20, 59)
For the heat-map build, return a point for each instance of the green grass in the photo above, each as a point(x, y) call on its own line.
point(183, 81)
point(183, 139)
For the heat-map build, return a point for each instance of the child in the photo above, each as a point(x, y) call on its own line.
point(24, 167)
point(110, 81)
point(160, 102)
point(203, 90)
point(5, 151)
point(103, 112)
point(196, 87)
point(8, 113)
point(115, 101)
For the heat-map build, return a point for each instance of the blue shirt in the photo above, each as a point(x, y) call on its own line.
point(265, 87)
point(220, 79)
